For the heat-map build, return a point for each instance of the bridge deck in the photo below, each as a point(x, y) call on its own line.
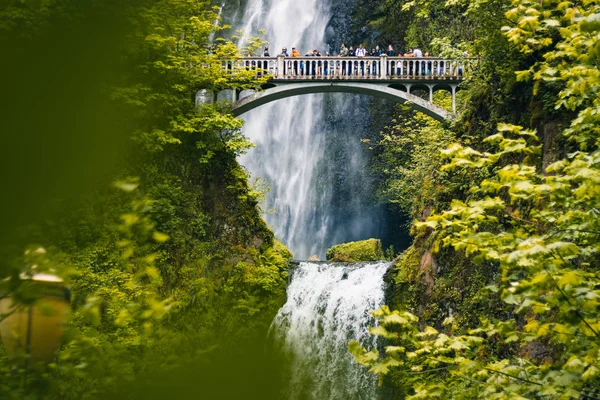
point(399, 80)
point(382, 68)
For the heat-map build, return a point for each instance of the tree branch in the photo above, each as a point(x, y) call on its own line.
point(513, 377)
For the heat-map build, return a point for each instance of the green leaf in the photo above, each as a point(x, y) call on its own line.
point(457, 344)
point(394, 349)
point(428, 332)
point(590, 373)
point(160, 237)
point(571, 278)
point(512, 299)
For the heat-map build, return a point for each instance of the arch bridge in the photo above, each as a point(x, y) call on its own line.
point(391, 78)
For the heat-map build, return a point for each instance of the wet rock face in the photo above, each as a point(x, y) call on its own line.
point(233, 11)
point(339, 28)
point(550, 132)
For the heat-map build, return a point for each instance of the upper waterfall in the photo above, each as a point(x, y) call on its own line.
point(287, 23)
point(308, 148)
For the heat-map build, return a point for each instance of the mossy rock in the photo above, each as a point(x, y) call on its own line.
point(365, 250)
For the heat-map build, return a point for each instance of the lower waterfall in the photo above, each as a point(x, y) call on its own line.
point(328, 306)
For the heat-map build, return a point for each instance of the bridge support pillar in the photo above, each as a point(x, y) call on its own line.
point(280, 72)
point(384, 66)
point(245, 93)
point(453, 89)
point(408, 85)
point(430, 93)
point(205, 96)
point(228, 95)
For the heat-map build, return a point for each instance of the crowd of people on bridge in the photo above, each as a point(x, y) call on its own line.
point(358, 67)
point(360, 51)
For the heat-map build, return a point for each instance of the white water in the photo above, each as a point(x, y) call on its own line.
point(211, 37)
point(328, 306)
point(287, 23)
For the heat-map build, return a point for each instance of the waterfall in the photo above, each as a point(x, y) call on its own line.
point(328, 306)
point(309, 152)
point(211, 37)
point(293, 142)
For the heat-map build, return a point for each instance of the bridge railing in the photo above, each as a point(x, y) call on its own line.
point(353, 68)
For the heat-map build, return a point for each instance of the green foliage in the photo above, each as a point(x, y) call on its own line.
point(537, 224)
point(178, 261)
point(406, 160)
point(420, 22)
point(364, 250)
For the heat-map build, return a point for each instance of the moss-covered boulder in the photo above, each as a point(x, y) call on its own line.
point(365, 250)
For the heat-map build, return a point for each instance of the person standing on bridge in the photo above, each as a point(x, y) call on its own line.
point(307, 67)
point(378, 53)
point(295, 54)
point(318, 65)
point(392, 53)
point(419, 65)
point(264, 64)
point(429, 64)
point(372, 65)
point(344, 52)
point(409, 65)
point(360, 53)
point(351, 53)
point(284, 52)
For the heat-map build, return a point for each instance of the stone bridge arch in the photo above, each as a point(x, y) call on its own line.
point(380, 90)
